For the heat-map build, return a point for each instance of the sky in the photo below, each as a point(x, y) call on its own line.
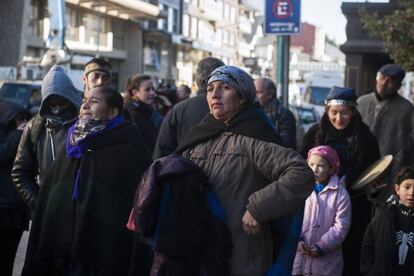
point(327, 14)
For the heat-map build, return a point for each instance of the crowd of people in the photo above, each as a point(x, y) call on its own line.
point(216, 187)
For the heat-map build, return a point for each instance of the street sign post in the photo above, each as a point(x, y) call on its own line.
point(282, 17)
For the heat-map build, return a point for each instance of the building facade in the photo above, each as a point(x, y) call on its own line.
point(112, 29)
point(364, 54)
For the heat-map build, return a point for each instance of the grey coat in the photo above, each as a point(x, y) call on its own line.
point(392, 123)
point(248, 174)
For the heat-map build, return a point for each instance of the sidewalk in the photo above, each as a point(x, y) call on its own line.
point(21, 252)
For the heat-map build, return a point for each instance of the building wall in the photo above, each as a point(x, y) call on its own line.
point(134, 47)
point(364, 54)
point(306, 39)
point(11, 43)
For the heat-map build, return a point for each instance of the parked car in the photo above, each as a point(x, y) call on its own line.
point(305, 118)
point(26, 94)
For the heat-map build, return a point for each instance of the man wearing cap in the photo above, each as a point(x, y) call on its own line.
point(389, 115)
point(97, 73)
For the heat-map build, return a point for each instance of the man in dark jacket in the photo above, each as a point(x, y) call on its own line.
point(45, 135)
point(281, 117)
point(186, 114)
point(14, 214)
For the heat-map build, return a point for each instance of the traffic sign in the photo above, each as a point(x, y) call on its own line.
point(282, 17)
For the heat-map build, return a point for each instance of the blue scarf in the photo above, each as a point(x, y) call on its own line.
point(318, 187)
point(75, 148)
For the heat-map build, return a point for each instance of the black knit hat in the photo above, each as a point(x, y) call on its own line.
point(341, 96)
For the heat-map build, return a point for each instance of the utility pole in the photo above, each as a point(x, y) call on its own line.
point(283, 46)
point(282, 18)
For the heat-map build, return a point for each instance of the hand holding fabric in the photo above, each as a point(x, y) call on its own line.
point(314, 251)
point(303, 248)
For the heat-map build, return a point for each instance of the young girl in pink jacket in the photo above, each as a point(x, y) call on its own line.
point(326, 220)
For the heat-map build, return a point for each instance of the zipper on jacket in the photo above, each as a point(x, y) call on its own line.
point(52, 146)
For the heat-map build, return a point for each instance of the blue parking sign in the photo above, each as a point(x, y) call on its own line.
point(282, 17)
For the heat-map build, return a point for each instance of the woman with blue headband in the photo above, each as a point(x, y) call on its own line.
point(256, 180)
point(341, 127)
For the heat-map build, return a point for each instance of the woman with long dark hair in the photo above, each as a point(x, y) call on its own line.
point(140, 104)
point(341, 127)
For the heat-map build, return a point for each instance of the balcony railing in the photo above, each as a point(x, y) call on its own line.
point(82, 39)
point(94, 38)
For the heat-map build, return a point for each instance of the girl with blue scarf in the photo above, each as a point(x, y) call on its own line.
point(79, 221)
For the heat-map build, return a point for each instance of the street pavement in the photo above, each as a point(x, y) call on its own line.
point(21, 252)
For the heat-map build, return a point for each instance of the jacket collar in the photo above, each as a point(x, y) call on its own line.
point(333, 184)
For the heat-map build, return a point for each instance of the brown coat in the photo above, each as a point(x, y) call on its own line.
point(262, 177)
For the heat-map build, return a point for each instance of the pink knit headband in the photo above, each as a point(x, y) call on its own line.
point(329, 154)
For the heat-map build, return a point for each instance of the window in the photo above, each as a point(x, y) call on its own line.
point(151, 56)
point(162, 22)
point(232, 39)
point(71, 17)
point(93, 22)
point(201, 30)
point(225, 37)
point(35, 23)
point(219, 38)
point(232, 14)
point(219, 10)
point(96, 29)
point(226, 11)
point(194, 27)
point(306, 116)
point(172, 20)
point(186, 25)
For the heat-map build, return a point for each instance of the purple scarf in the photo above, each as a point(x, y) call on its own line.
point(80, 138)
point(76, 146)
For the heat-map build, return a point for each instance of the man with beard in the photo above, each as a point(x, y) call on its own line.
point(389, 115)
point(97, 74)
point(44, 137)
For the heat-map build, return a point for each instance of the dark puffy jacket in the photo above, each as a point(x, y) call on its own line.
point(13, 211)
point(188, 236)
point(178, 121)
